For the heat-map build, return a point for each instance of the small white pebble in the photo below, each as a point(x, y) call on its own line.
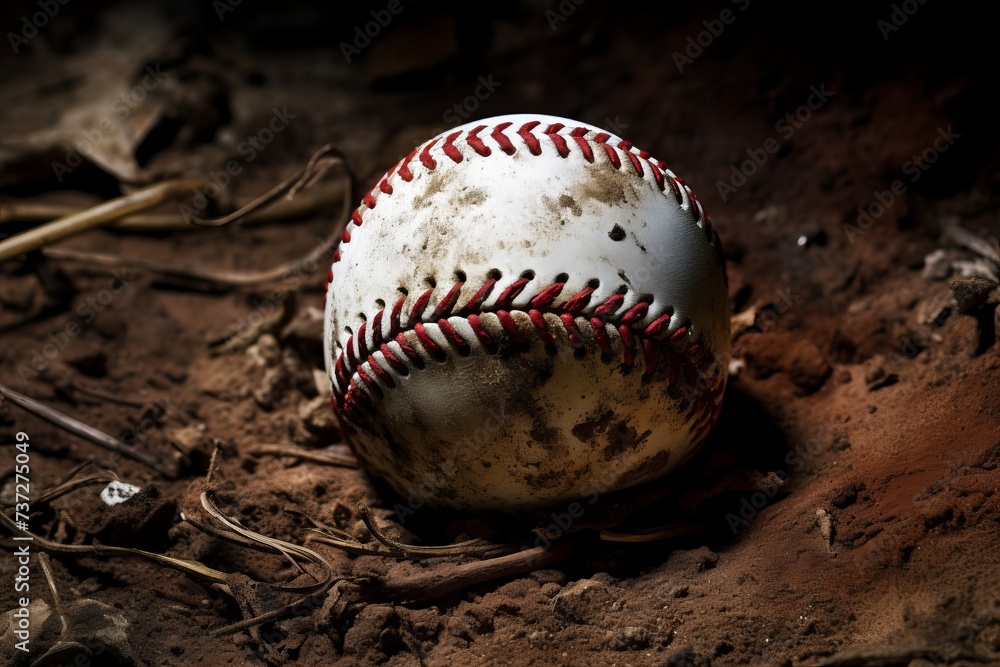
point(118, 492)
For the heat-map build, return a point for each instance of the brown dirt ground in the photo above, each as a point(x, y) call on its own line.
point(885, 535)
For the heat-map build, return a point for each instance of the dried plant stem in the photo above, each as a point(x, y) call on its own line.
point(447, 579)
point(86, 432)
point(319, 255)
point(324, 458)
point(305, 205)
point(98, 216)
point(190, 567)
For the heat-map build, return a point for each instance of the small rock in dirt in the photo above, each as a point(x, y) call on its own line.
point(229, 378)
point(631, 638)
point(550, 589)
point(299, 375)
point(582, 600)
point(937, 265)
point(825, 522)
point(194, 444)
point(689, 562)
point(781, 351)
point(271, 387)
point(848, 495)
point(266, 352)
point(305, 331)
point(768, 215)
point(811, 234)
point(317, 650)
point(117, 492)
point(546, 576)
point(876, 375)
point(686, 657)
point(375, 634)
point(971, 292)
point(459, 631)
point(317, 416)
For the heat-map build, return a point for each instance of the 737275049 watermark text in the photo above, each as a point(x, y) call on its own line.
point(22, 551)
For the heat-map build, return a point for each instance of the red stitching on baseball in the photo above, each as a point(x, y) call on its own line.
point(648, 341)
point(658, 326)
point(579, 301)
point(636, 312)
point(432, 348)
point(558, 141)
point(476, 143)
point(588, 153)
point(418, 308)
point(353, 399)
point(628, 343)
point(572, 331)
point(380, 372)
point(481, 295)
point(364, 376)
point(340, 371)
point(555, 132)
point(362, 343)
point(425, 154)
point(395, 363)
point(501, 138)
point(695, 206)
point(453, 337)
point(449, 147)
point(351, 359)
point(601, 334)
point(510, 326)
point(407, 349)
point(404, 167)
point(547, 296)
point(397, 310)
point(511, 293)
point(448, 302)
point(481, 333)
point(534, 146)
point(636, 163)
point(677, 190)
point(377, 329)
point(658, 177)
point(610, 305)
point(541, 326)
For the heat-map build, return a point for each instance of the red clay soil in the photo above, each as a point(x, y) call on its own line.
point(857, 518)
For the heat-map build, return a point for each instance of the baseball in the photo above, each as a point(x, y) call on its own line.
point(526, 311)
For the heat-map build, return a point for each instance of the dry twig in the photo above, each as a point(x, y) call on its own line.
point(98, 216)
point(86, 432)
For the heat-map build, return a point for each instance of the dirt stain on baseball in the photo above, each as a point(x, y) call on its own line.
point(435, 184)
point(608, 186)
point(616, 233)
point(470, 197)
point(568, 202)
point(612, 435)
